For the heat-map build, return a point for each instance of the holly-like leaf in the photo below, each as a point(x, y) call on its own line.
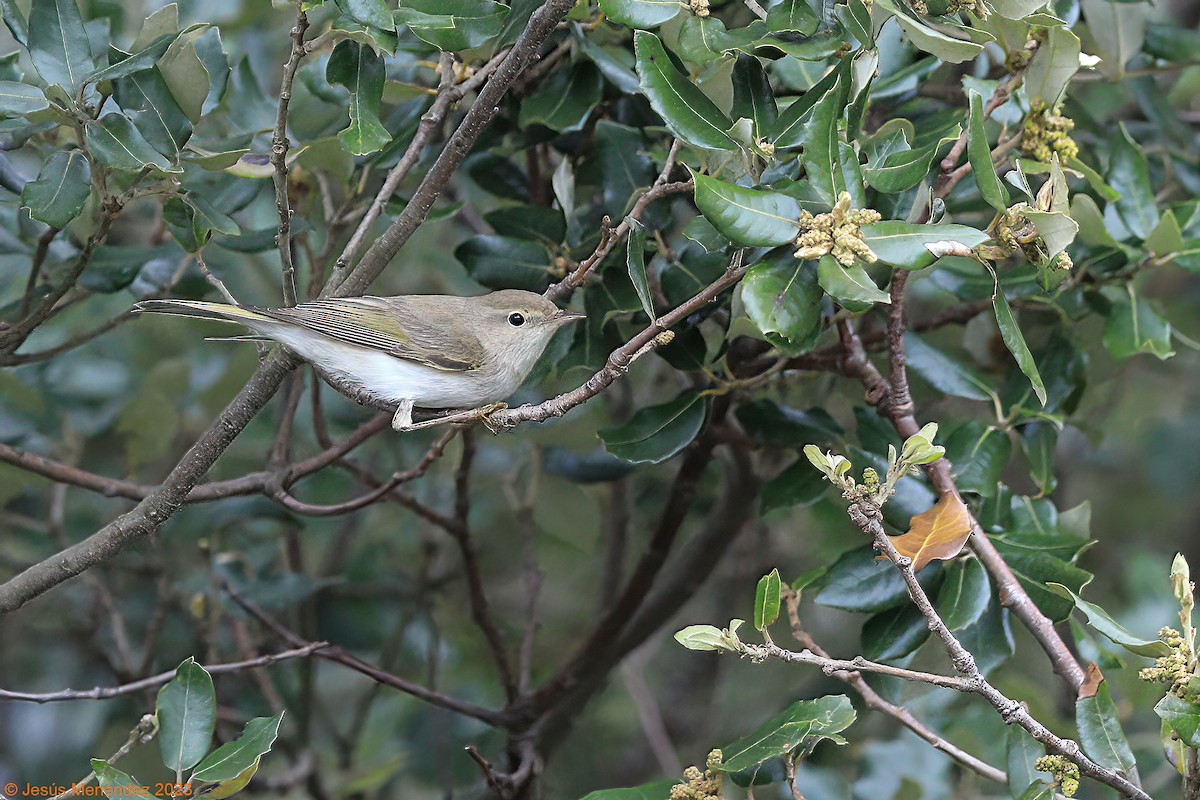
point(186, 711)
point(58, 43)
point(21, 98)
point(657, 433)
point(640, 13)
point(372, 13)
point(784, 301)
point(766, 600)
point(965, 594)
point(1054, 64)
point(1110, 628)
point(1182, 717)
point(821, 144)
point(752, 217)
point(1134, 327)
point(1099, 725)
point(453, 25)
point(360, 70)
point(1129, 174)
point(115, 142)
point(61, 189)
point(231, 760)
point(939, 533)
point(801, 727)
point(851, 286)
point(505, 262)
point(931, 40)
point(565, 100)
point(903, 244)
point(685, 109)
point(134, 62)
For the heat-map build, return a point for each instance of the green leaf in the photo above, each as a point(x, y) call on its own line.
point(850, 286)
point(657, 433)
point(109, 777)
point(821, 144)
point(891, 635)
point(372, 13)
point(1022, 752)
point(635, 263)
point(135, 62)
point(703, 40)
point(640, 13)
point(115, 142)
point(232, 759)
point(650, 791)
point(186, 711)
point(616, 64)
point(965, 594)
point(61, 189)
point(1038, 440)
point(535, 223)
point(751, 217)
point(1134, 327)
point(931, 40)
point(903, 244)
point(147, 101)
point(703, 638)
point(1099, 619)
point(360, 70)
point(766, 600)
point(1118, 30)
point(944, 373)
point(783, 299)
point(1054, 64)
point(17, 99)
point(799, 485)
point(857, 581)
point(1129, 175)
point(980, 155)
point(1100, 733)
point(753, 97)
point(187, 74)
point(790, 127)
point(979, 454)
point(58, 43)
point(685, 109)
point(1056, 228)
point(1167, 237)
point(901, 170)
point(1034, 569)
point(453, 25)
point(504, 262)
point(801, 727)
point(1183, 718)
point(793, 16)
point(160, 23)
point(566, 99)
point(1010, 332)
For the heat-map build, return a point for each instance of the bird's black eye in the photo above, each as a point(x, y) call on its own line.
point(516, 319)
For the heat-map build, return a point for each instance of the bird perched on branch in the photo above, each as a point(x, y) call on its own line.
point(433, 351)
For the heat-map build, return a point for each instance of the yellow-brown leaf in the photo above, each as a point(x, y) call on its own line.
point(937, 534)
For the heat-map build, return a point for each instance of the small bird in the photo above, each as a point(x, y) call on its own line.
point(434, 351)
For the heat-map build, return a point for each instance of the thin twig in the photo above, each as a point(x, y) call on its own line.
point(279, 152)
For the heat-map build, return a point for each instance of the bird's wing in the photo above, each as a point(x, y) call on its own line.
point(375, 323)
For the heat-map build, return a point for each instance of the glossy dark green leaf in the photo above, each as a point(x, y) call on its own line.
point(857, 581)
point(850, 286)
point(980, 155)
point(1038, 441)
point(766, 600)
point(373, 13)
point(109, 777)
point(360, 70)
point(791, 125)
point(703, 233)
point(187, 75)
point(1129, 175)
point(114, 267)
point(1034, 569)
point(232, 759)
point(536, 223)
point(799, 485)
point(503, 262)
point(1100, 733)
point(1183, 718)
point(965, 594)
point(147, 101)
point(565, 100)
point(640, 13)
point(453, 25)
point(61, 189)
point(893, 634)
point(901, 170)
point(621, 165)
point(187, 711)
point(685, 109)
point(1014, 340)
point(803, 725)
point(943, 372)
point(614, 63)
point(753, 98)
point(657, 433)
point(821, 144)
point(752, 217)
point(635, 263)
point(793, 16)
point(134, 62)
point(932, 40)
point(979, 453)
point(1022, 752)
point(784, 301)
point(21, 98)
point(903, 244)
point(990, 639)
point(1134, 327)
point(1105, 625)
point(650, 791)
point(767, 422)
point(58, 43)
point(115, 142)
point(703, 40)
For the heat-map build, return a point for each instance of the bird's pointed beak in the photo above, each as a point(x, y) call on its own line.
point(565, 317)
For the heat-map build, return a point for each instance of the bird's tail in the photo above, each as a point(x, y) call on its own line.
point(202, 310)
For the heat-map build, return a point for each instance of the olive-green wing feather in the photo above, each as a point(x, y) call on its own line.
point(374, 323)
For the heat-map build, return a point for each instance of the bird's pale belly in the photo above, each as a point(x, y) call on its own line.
point(389, 379)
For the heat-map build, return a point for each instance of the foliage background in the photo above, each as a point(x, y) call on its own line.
point(386, 584)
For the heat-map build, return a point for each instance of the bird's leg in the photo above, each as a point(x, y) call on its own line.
point(471, 415)
point(403, 420)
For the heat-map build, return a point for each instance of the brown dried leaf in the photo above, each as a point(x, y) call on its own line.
point(1091, 683)
point(937, 534)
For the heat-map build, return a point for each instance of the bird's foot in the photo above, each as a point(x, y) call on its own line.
point(485, 416)
point(403, 421)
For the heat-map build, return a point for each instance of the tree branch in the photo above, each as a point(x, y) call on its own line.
point(279, 151)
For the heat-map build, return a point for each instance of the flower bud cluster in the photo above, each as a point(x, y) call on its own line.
point(837, 233)
point(1064, 772)
point(1047, 132)
point(699, 7)
point(699, 785)
point(1013, 232)
point(1173, 670)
